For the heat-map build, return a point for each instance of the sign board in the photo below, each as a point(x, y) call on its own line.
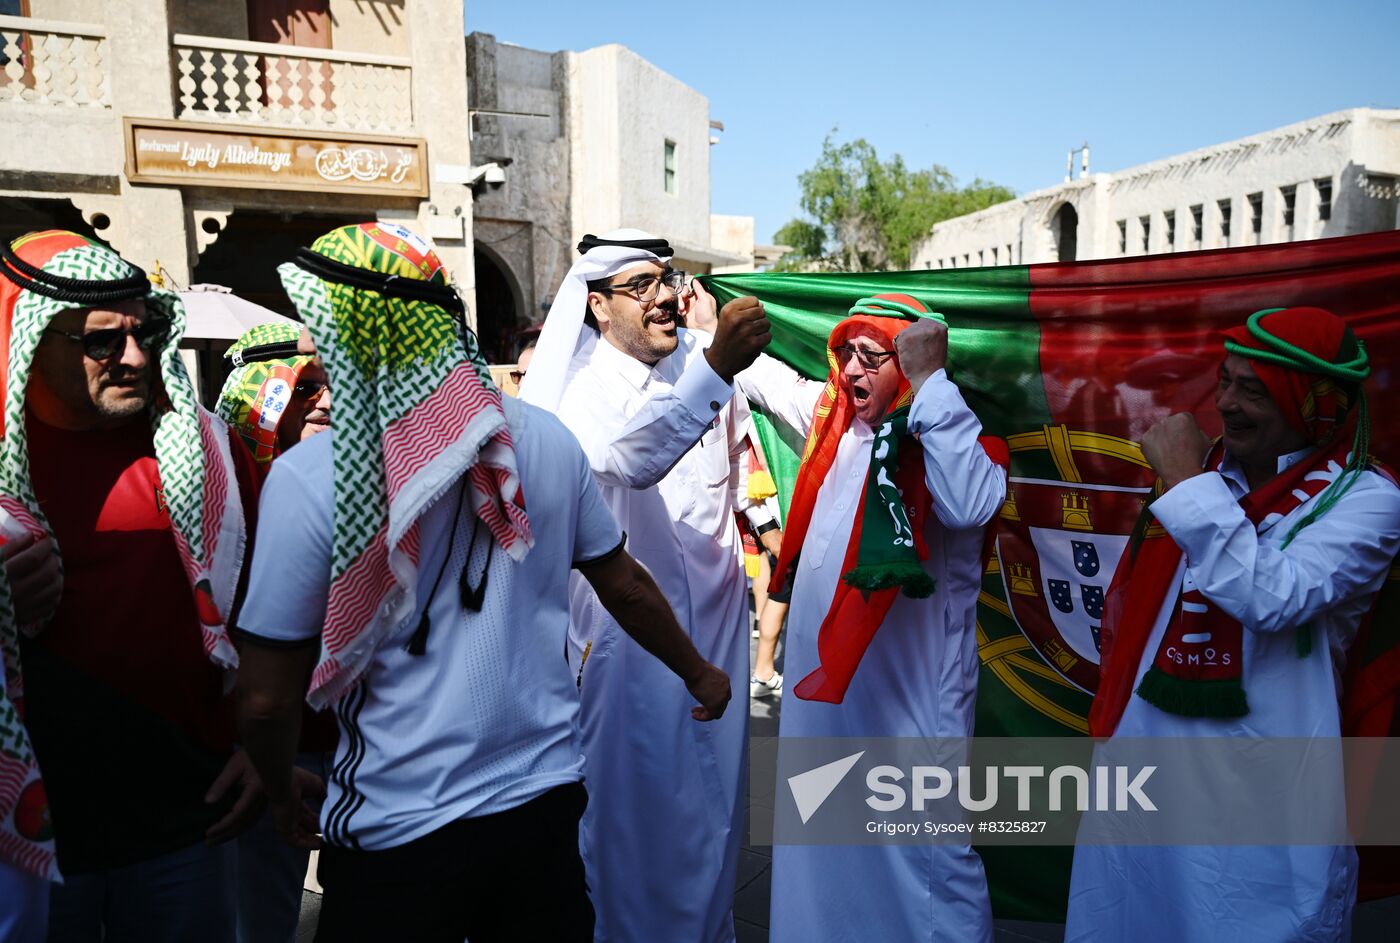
point(183, 153)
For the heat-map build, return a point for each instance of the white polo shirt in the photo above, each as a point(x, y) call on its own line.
point(486, 719)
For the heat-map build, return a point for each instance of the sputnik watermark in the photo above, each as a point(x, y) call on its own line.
point(1117, 788)
point(1067, 790)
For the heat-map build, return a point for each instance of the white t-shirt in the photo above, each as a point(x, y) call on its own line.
point(486, 719)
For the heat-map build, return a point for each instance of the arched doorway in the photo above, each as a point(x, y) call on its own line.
point(1066, 230)
point(497, 315)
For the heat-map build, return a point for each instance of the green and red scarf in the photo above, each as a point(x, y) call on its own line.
point(47, 273)
point(416, 412)
point(1198, 668)
point(886, 550)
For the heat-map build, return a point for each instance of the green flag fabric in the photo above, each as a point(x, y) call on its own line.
point(1071, 364)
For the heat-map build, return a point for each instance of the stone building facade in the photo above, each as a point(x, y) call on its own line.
point(1333, 175)
point(584, 142)
point(207, 141)
point(102, 102)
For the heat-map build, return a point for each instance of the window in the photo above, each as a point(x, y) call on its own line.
point(1224, 207)
point(670, 167)
point(940, 263)
point(1122, 237)
point(1290, 205)
point(1324, 197)
point(1197, 226)
point(994, 255)
point(1169, 217)
point(1008, 253)
point(980, 261)
point(967, 259)
point(1256, 215)
point(1146, 223)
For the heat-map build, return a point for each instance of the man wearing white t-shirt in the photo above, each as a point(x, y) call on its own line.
point(456, 789)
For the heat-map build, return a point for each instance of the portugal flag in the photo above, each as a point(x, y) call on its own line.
point(1071, 364)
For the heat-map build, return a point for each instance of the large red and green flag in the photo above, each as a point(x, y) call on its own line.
point(1071, 363)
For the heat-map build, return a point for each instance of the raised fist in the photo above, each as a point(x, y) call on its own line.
point(1176, 448)
point(740, 336)
point(922, 349)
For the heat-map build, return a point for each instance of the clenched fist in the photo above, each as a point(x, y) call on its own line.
point(1176, 448)
point(709, 686)
point(922, 349)
point(740, 336)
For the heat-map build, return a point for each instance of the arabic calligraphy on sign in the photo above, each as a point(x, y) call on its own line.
point(360, 163)
point(180, 152)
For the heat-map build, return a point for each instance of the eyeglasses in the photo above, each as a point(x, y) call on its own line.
point(108, 342)
point(310, 389)
point(516, 376)
point(868, 359)
point(646, 287)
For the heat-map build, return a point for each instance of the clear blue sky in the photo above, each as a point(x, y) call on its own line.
point(999, 90)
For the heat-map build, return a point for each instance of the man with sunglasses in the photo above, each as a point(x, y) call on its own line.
point(890, 514)
point(653, 406)
point(274, 395)
point(110, 464)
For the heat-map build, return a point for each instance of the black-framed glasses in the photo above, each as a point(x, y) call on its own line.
point(105, 343)
point(647, 287)
point(869, 359)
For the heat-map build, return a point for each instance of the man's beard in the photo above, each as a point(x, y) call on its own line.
point(122, 402)
point(648, 346)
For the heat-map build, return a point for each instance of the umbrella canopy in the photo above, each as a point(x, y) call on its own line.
point(216, 313)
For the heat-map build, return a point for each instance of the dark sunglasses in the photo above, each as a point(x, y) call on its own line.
point(516, 376)
point(108, 342)
point(310, 389)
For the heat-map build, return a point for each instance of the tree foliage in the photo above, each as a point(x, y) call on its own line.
point(865, 214)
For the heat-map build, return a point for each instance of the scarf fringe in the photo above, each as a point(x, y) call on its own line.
point(1188, 698)
point(905, 575)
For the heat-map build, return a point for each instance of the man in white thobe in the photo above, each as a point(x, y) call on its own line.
point(918, 677)
point(653, 406)
point(1270, 603)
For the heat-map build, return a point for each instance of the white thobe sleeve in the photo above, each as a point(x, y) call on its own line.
point(968, 488)
point(781, 392)
point(1343, 554)
point(637, 452)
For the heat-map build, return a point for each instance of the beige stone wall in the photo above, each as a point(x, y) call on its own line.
point(381, 26)
point(732, 234)
point(1356, 150)
point(622, 111)
point(70, 11)
point(225, 19)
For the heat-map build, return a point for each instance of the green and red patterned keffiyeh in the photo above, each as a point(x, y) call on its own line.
point(47, 273)
point(255, 395)
point(415, 411)
point(884, 556)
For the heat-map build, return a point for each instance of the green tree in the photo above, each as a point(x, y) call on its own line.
point(865, 214)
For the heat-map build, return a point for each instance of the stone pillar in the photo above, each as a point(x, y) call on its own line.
point(438, 47)
point(153, 221)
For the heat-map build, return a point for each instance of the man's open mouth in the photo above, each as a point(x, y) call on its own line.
point(662, 319)
point(859, 393)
